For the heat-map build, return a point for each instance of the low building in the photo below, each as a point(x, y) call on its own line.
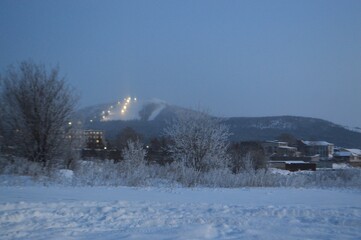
point(293, 165)
point(342, 156)
point(286, 151)
point(314, 158)
point(356, 155)
point(270, 147)
point(277, 148)
point(347, 155)
point(311, 148)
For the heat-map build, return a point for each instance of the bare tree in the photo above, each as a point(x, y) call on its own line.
point(247, 155)
point(199, 141)
point(127, 134)
point(37, 106)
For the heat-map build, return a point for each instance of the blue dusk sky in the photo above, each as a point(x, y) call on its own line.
point(235, 58)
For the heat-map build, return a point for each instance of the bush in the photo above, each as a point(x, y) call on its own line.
point(21, 166)
point(110, 173)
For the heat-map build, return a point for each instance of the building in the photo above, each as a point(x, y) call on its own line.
point(347, 155)
point(95, 146)
point(94, 139)
point(314, 158)
point(293, 165)
point(311, 148)
point(277, 148)
point(286, 151)
point(356, 155)
point(270, 147)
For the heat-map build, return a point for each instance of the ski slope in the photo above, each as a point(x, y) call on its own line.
point(58, 212)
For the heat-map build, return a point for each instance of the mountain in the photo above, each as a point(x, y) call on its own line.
point(150, 117)
point(126, 109)
point(266, 128)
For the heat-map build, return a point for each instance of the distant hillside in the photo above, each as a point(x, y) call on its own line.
point(265, 128)
point(242, 128)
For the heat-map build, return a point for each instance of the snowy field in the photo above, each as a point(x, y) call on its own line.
point(58, 212)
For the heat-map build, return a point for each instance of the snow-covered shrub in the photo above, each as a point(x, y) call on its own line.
point(188, 176)
point(133, 167)
point(336, 178)
point(110, 173)
point(134, 155)
point(218, 178)
point(132, 171)
point(320, 178)
point(170, 173)
point(63, 176)
point(21, 166)
point(97, 173)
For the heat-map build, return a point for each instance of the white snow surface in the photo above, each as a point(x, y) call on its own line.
point(156, 112)
point(59, 212)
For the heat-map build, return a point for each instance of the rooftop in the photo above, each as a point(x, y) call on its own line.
point(317, 143)
point(354, 152)
point(342, 154)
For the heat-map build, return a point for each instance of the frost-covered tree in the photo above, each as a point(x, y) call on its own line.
point(134, 154)
point(36, 107)
point(199, 141)
point(134, 169)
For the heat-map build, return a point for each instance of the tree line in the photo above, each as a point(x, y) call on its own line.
point(37, 106)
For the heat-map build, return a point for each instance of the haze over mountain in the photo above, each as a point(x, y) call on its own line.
point(150, 117)
point(241, 58)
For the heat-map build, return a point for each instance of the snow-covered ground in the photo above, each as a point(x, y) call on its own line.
point(58, 212)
